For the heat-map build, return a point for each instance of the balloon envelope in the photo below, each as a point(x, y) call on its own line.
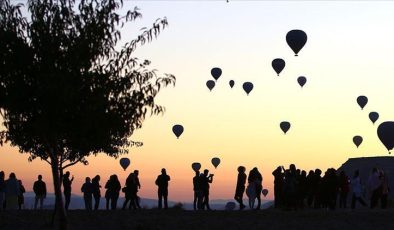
point(296, 39)
point(386, 134)
point(124, 162)
point(301, 81)
point(215, 161)
point(278, 64)
point(196, 166)
point(231, 83)
point(230, 206)
point(357, 140)
point(362, 101)
point(210, 84)
point(373, 116)
point(177, 130)
point(285, 126)
point(264, 192)
point(248, 87)
point(216, 73)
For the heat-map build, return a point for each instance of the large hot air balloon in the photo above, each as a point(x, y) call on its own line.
point(216, 73)
point(357, 140)
point(124, 162)
point(285, 126)
point(278, 64)
point(264, 192)
point(386, 134)
point(196, 166)
point(373, 116)
point(248, 87)
point(362, 101)
point(296, 39)
point(177, 130)
point(301, 81)
point(231, 83)
point(215, 161)
point(210, 84)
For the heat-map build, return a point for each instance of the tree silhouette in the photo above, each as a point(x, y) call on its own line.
point(68, 88)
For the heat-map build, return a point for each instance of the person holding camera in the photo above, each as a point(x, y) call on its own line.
point(205, 181)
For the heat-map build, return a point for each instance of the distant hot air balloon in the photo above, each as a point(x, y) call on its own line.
point(196, 166)
point(215, 161)
point(362, 101)
point(296, 39)
point(177, 130)
point(264, 192)
point(231, 83)
point(124, 162)
point(285, 126)
point(248, 87)
point(230, 206)
point(373, 116)
point(278, 64)
point(357, 140)
point(301, 81)
point(210, 84)
point(386, 134)
point(216, 73)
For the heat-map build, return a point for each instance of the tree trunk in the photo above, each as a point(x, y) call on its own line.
point(61, 218)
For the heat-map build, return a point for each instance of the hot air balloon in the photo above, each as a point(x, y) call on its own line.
point(278, 65)
point(230, 206)
point(216, 73)
point(296, 39)
point(285, 126)
point(362, 101)
point(357, 140)
point(231, 83)
point(264, 192)
point(248, 87)
point(215, 161)
point(301, 81)
point(210, 84)
point(373, 116)
point(177, 130)
point(196, 166)
point(386, 134)
point(124, 162)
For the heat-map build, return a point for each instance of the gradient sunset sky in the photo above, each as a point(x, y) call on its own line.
point(349, 53)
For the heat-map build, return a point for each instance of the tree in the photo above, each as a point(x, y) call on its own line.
point(66, 92)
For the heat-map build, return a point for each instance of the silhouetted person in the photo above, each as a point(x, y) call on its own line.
point(130, 191)
point(12, 191)
point(87, 191)
point(240, 189)
point(332, 188)
point(112, 194)
point(205, 181)
point(301, 189)
point(385, 189)
point(96, 191)
point(375, 187)
point(40, 190)
point(198, 195)
point(2, 189)
point(67, 188)
point(138, 187)
point(162, 183)
point(310, 179)
point(317, 188)
point(21, 197)
point(344, 183)
point(357, 190)
point(278, 186)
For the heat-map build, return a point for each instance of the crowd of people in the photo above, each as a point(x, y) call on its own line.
point(293, 189)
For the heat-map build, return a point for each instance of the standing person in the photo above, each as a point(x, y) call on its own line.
point(162, 183)
point(375, 187)
point(278, 186)
point(137, 187)
point(12, 191)
point(240, 189)
point(130, 191)
point(385, 190)
point(343, 189)
point(67, 188)
point(40, 189)
point(87, 191)
point(205, 181)
point(197, 203)
point(112, 194)
point(258, 180)
point(2, 189)
point(96, 191)
point(21, 197)
point(310, 188)
point(357, 190)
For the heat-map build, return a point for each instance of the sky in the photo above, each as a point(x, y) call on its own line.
point(348, 54)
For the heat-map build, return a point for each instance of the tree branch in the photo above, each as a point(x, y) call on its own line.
point(72, 163)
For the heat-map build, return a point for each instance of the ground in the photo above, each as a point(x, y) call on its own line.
point(180, 219)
